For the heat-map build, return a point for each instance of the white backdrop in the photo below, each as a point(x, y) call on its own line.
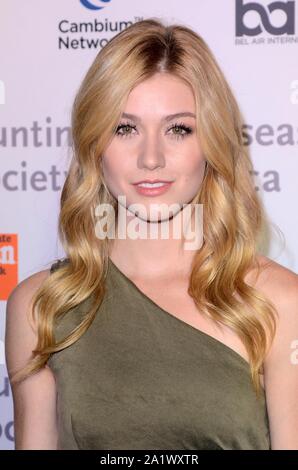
point(46, 49)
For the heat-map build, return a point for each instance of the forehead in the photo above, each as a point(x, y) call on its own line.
point(162, 94)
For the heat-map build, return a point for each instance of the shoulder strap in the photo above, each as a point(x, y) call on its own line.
point(58, 263)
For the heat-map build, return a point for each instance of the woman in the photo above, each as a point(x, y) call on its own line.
point(147, 344)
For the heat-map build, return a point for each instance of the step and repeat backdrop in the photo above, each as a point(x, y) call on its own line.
point(46, 49)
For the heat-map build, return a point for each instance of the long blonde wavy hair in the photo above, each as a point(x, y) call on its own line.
point(233, 215)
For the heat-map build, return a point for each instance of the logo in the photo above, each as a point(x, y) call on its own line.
point(265, 22)
point(91, 6)
point(161, 218)
point(8, 264)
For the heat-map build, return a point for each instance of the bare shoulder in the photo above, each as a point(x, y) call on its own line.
point(275, 280)
point(280, 285)
point(30, 283)
point(23, 295)
point(34, 398)
point(20, 331)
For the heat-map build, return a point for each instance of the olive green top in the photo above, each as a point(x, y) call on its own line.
point(141, 378)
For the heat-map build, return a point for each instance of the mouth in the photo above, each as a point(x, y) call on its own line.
point(152, 188)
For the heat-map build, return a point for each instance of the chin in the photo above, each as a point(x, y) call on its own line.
point(158, 211)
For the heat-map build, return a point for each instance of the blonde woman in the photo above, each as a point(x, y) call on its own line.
point(137, 342)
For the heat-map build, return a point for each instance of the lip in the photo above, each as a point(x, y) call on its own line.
point(153, 181)
point(153, 191)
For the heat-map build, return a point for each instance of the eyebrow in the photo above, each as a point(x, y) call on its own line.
point(169, 117)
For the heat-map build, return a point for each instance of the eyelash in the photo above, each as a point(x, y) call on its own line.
point(188, 130)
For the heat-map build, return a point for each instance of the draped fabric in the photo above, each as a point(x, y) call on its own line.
point(141, 378)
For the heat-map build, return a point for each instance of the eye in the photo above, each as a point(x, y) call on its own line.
point(180, 130)
point(124, 127)
point(177, 128)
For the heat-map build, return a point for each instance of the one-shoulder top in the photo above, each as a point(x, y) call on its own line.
point(141, 378)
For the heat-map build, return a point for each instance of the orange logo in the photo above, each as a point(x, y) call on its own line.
point(8, 263)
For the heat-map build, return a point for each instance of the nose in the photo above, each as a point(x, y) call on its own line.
point(151, 154)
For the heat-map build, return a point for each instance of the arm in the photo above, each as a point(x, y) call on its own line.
point(34, 399)
point(281, 364)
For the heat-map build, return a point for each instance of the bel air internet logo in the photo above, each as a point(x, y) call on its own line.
point(95, 4)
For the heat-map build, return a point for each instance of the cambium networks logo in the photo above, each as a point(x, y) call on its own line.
point(276, 20)
point(95, 4)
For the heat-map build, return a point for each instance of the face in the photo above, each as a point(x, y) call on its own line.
point(152, 145)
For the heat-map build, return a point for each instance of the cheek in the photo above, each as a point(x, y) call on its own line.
point(194, 170)
point(114, 169)
point(191, 180)
point(109, 172)
point(111, 164)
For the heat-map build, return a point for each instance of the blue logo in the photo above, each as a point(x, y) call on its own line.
point(90, 5)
